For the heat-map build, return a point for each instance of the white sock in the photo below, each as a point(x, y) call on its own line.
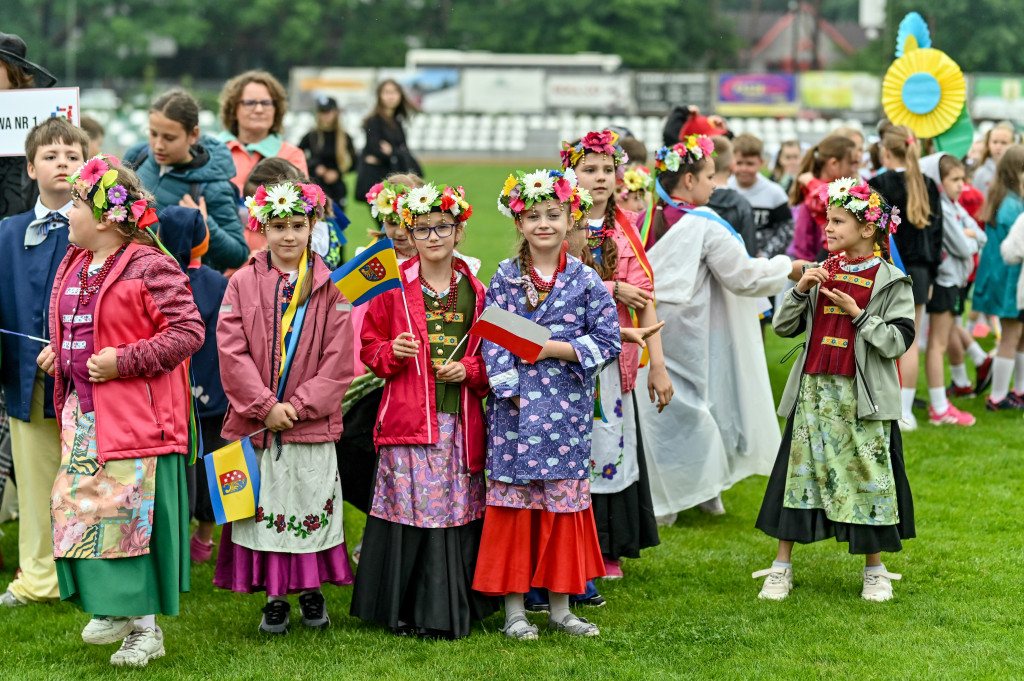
point(310, 591)
point(781, 564)
point(976, 353)
point(515, 604)
point(559, 606)
point(959, 373)
point(907, 397)
point(1018, 373)
point(145, 622)
point(271, 599)
point(937, 396)
point(1001, 370)
point(874, 568)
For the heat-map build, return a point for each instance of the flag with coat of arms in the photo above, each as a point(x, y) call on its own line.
point(369, 274)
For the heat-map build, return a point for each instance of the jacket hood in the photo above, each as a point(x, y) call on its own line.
point(930, 168)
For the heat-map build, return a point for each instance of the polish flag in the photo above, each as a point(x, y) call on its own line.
point(516, 334)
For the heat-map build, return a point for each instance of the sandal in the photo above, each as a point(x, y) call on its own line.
point(520, 628)
point(575, 626)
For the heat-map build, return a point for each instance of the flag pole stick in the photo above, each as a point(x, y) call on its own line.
point(25, 335)
point(408, 319)
point(452, 356)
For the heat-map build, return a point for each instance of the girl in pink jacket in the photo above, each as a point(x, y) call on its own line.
point(423, 528)
point(296, 540)
point(122, 326)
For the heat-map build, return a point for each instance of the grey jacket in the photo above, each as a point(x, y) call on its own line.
point(885, 329)
point(958, 250)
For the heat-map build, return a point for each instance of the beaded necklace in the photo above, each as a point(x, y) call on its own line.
point(289, 288)
point(451, 300)
point(539, 283)
point(86, 290)
point(835, 263)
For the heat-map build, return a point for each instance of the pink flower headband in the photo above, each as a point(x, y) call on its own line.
point(284, 200)
point(863, 202)
point(96, 184)
point(604, 142)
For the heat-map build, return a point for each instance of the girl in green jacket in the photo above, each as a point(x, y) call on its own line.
point(839, 472)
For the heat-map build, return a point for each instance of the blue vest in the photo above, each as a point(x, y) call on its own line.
point(26, 277)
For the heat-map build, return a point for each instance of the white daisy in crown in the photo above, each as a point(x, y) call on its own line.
point(538, 184)
point(420, 200)
point(283, 198)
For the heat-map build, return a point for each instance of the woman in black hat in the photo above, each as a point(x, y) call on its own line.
point(17, 191)
point(329, 150)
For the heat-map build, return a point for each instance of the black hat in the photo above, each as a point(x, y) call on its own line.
point(12, 51)
point(325, 103)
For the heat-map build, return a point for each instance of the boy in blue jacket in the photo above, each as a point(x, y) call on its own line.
point(32, 245)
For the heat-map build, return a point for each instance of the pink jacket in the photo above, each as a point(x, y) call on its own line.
point(245, 162)
point(630, 271)
point(146, 311)
point(249, 338)
point(408, 411)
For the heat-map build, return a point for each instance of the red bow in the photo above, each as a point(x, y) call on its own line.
point(148, 218)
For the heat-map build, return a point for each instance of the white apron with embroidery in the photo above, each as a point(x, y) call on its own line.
point(613, 449)
point(299, 509)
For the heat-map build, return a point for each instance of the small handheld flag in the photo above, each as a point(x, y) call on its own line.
point(369, 274)
point(516, 334)
point(234, 481)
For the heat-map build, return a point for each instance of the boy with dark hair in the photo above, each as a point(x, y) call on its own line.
point(772, 215)
point(32, 245)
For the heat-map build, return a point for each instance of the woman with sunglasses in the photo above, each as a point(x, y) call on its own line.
point(252, 108)
point(423, 529)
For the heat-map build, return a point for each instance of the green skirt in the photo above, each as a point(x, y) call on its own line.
point(141, 585)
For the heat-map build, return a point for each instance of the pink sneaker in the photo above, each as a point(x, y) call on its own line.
point(200, 550)
point(952, 416)
point(613, 569)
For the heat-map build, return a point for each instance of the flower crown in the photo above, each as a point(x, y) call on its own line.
point(284, 200)
point(383, 199)
point(864, 203)
point(522, 190)
point(636, 179)
point(604, 142)
point(691, 150)
point(96, 183)
point(425, 199)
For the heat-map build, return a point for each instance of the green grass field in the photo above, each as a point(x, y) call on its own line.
point(686, 610)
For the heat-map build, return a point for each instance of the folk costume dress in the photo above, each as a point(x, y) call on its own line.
point(539, 527)
point(296, 540)
point(840, 472)
point(120, 504)
point(423, 530)
point(719, 427)
point(619, 485)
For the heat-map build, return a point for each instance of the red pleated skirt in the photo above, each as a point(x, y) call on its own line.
point(524, 548)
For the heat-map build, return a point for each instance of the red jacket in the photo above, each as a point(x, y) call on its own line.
point(249, 341)
point(408, 411)
point(146, 311)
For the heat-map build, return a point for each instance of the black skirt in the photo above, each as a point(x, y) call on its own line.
point(357, 457)
point(806, 526)
point(418, 580)
point(625, 520)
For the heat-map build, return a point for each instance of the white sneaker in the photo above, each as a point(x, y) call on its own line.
point(777, 584)
point(103, 630)
point(9, 600)
point(713, 506)
point(908, 423)
point(878, 585)
point(667, 520)
point(139, 648)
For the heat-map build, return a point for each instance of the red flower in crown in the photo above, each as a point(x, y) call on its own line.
point(599, 141)
point(861, 191)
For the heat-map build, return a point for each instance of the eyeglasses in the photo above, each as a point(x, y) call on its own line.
point(443, 231)
point(253, 103)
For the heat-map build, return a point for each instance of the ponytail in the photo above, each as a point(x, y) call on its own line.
point(899, 141)
point(796, 196)
point(833, 146)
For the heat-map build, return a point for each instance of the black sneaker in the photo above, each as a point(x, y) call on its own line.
point(595, 601)
point(275, 617)
point(1008, 403)
point(538, 607)
point(314, 610)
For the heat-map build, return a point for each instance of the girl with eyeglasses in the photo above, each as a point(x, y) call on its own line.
point(423, 528)
point(252, 108)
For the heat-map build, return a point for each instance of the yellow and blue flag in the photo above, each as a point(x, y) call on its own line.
point(234, 481)
point(369, 274)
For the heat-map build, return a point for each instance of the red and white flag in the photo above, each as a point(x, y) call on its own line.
point(516, 334)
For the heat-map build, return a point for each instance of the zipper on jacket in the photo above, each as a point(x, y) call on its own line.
point(152, 408)
point(275, 348)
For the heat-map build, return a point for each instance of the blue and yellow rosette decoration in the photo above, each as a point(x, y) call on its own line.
point(923, 89)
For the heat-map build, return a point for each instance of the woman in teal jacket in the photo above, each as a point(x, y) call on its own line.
point(181, 167)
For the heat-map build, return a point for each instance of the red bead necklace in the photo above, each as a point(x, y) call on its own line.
point(289, 288)
point(450, 301)
point(539, 283)
point(86, 290)
point(835, 263)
